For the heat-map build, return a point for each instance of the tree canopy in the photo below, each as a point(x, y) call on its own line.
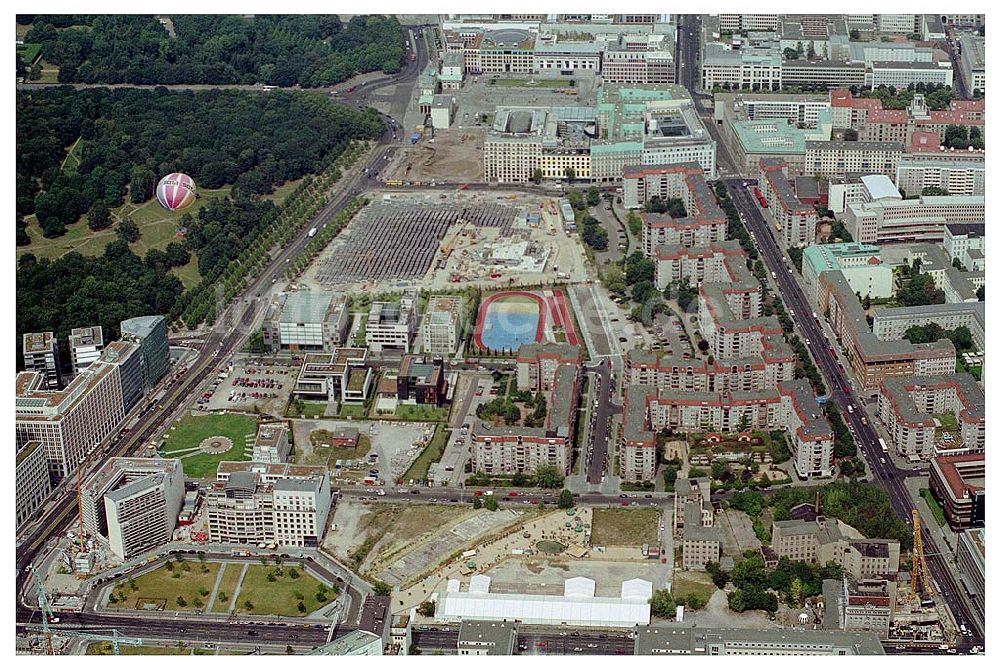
point(219, 137)
point(281, 50)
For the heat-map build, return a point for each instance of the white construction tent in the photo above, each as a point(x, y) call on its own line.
point(577, 607)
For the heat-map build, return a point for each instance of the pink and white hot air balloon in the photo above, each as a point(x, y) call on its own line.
point(175, 191)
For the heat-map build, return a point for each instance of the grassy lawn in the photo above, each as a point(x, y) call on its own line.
point(948, 422)
point(156, 226)
point(935, 507)
point(105, 649)
point(351, 411)
point(625, 527)
point(161, 585)
point(188, 273)
point(310, 409)
point(329, 455)
point(279, 597)
point(281, 193)
point(189, 431)
point(22, 30)
point(29, 52)
point(421, 413)
point(692, 582)
point(431, 454)
point(230, 576)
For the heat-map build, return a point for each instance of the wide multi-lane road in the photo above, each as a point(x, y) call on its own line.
point(842, 395)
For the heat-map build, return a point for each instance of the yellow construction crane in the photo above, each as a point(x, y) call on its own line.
point(920, 580)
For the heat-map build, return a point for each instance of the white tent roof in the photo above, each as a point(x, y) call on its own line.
point(542, 609)
point(880, 187)
point(580, 587)
point(454, 585)
point(479, 584)
point(637, 589)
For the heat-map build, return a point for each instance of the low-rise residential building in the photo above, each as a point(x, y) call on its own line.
point(970, 557)
point(85, 346)
point(131, 504)
point(252, 503)
point(666, 640)
point(484, 637)
point(41, 354)
point(442, 325)
point(958, 481)
point(31, 480)
point(343, 376)
point(306, 321)
point(824, 540)
point(794, 222)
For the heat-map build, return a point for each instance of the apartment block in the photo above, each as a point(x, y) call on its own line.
point(41, 354)
point(958, 481)
point(958, 177)
point(31, 480)
point(701, 546)
point(871, 358)
point(442, 325)
point(831, 159)
point(306, 321)
point(252, 503)
point(695, 265)
point(794, 221)
point(537, 364)
point(791, 406)
point(392, 325)
point(908, 405)
point(507, 450)
point(131, 504)
point(85, 345)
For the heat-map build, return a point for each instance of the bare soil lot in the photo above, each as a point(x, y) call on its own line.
point(455, 156)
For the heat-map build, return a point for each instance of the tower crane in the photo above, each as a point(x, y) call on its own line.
point(46, 629)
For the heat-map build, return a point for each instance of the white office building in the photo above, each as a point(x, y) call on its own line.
point(131, 504)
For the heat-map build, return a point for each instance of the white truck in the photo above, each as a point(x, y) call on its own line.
point(312, 232)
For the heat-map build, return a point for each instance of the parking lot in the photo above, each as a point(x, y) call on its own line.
point(473, 390)
point(245, 385)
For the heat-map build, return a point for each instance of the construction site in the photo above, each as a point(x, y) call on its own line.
point(432, 240)
point(453, 155)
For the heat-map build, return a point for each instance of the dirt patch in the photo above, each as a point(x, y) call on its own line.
point(455, 156)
